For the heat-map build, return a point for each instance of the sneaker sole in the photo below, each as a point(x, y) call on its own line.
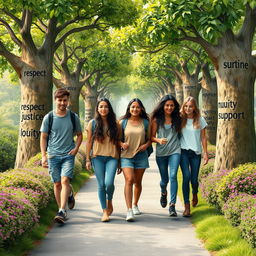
point(163, 205)
point(130, 220)
point(59, 220)
point(173, 215)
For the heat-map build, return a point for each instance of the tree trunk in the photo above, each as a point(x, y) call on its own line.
point(209, 104)
point(90, 101)
point(36, 101)
point(236, 142)
point(191, 90)
point(74, 98)
point(179, 92)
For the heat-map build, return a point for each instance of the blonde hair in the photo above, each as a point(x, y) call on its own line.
point(196, 113)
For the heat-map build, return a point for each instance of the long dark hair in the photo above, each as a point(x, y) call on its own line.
point(143, 113)
point(159, 116)
point(112, 131)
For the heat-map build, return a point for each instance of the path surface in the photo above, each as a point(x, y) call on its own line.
point(153, 232)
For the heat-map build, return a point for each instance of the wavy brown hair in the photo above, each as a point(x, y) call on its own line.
point(159, 115)
point(196, 113)
point(112, 131)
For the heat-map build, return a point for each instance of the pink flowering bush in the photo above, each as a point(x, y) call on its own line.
point(206, 170)
point(42, 174)
point(240, 180)
point(23, 179)
point(208, 186)
point(248, 224)
point(235, 206)
point(16, 216)
point(34, 161)
point(24, 193)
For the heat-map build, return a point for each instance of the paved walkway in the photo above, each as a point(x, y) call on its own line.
point(153, 232)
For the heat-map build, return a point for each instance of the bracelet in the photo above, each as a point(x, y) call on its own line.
point(88, 160)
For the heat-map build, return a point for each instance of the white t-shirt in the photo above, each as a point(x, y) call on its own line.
point(191, 137)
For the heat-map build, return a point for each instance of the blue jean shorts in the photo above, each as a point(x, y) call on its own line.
point(139, 161)
point(61, 166)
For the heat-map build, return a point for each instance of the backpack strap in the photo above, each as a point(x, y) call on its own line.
point(73, 120)
point(50, 120)
point(123, 125)
point(93, 126)
point(145, 122)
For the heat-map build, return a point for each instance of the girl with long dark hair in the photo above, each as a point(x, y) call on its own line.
point(166, 126)
point(102, 150)
point(192, 139)
point(134, 155)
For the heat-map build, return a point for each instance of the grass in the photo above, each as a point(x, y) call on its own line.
point(28, 241)
point(217, 234)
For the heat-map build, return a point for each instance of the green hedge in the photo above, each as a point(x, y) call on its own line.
point(233, 192)
point(8, 146)
point(24, 192)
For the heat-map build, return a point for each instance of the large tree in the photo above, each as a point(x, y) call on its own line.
point(36, 29)
point(225, 30)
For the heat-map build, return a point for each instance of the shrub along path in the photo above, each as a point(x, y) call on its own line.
point(153, 232)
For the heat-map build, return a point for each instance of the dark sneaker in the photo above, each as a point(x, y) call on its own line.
point(71, 199)
point(60, 217)
point(163, 200)
point(172, 211)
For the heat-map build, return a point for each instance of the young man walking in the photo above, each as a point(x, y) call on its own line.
point(57, 132)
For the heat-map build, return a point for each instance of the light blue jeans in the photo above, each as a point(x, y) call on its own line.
point(105, 170)
point(190, 165)
point(172, 162)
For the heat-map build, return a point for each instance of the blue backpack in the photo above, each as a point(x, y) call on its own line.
point(145, 122)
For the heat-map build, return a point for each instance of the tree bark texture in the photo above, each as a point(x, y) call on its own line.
point(90, 101)
point(36, 102)
point(209, 104)
point(236, 141)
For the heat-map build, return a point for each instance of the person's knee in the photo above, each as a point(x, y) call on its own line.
point(65, 181)
point(173, 176)
point(57, 185)
point(109, 187)
point(129, 181)
point(137, 184)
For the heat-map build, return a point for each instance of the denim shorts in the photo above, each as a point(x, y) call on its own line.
point(139, 161)
point(61, 166)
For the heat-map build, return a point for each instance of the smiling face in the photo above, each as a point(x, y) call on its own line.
point(135, 109)
point(103, 108)
point(169, 107)
point(189, 108)
point(62, 103)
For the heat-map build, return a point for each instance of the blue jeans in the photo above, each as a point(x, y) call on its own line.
point(190, 165)
point(61, 166)
point(172, 162)
point(105, 170)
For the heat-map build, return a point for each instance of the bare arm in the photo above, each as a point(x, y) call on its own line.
point(88, 148)
point(153, 134)
point(204, 144)
point(79, 139)
point(43, 146)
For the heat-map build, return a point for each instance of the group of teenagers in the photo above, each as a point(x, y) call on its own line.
point(114, 146)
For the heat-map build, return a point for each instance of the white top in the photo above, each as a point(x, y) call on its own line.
point(191, 137)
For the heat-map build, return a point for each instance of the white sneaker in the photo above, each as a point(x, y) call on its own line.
point(136, 210)
point(130, 216)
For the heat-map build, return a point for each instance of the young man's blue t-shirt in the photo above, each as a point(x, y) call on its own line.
point(61, 135)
